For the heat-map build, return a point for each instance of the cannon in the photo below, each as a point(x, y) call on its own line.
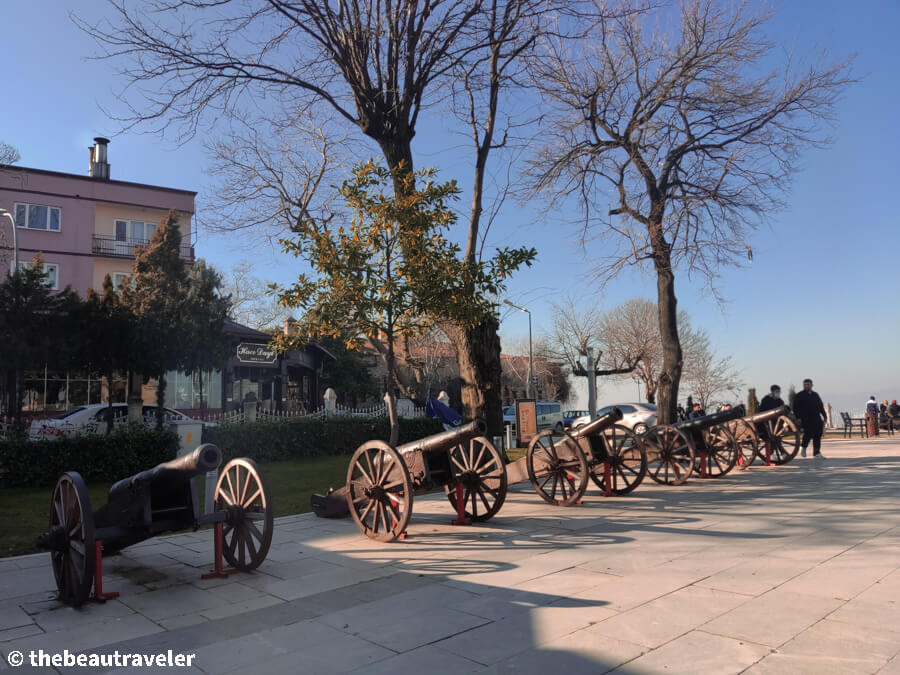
point(778, 437)
point(161, 499)
point(704, 444)
point(610, 454)
point(381, 479)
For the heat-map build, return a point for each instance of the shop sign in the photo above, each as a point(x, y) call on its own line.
point(248, 352)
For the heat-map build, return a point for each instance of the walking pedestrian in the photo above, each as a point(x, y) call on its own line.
point(771, 400)
point(809, 408)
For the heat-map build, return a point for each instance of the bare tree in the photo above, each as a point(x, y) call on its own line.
point(688, 136)
point(8, 154)
point(551, 381)
point(707, 375)
point(376, 66)
point(251, 302)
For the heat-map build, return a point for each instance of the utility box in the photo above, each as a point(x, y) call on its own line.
point(189, 432)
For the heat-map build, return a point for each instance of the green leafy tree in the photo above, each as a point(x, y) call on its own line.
point(349, 375)
point(158, 300)
point(206, 347)
point(110, 325)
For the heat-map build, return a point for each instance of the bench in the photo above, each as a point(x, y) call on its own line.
point(850, 424)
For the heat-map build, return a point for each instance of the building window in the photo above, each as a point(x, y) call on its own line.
point(50, 269)
point(38, 217)
point(134, 231)
point(118, 280)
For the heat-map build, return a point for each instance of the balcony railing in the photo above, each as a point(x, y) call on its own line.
point(126, 248)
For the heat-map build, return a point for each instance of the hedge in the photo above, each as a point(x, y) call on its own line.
point(100, 459)
point(310, 436)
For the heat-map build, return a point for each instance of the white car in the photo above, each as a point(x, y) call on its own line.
point(636, 416)
point(91, 419)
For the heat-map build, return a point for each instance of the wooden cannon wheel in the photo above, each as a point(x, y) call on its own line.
point(670, 454)
point(721, 452)
point(479, 468)
point(747, 440)
point(784, 440)
point(249, 522)
point(379, 491)
point(71, 538)
point(626, 458)
point(557, 466)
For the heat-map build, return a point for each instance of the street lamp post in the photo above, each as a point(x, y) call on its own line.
point(530, 352)
point(12, 222)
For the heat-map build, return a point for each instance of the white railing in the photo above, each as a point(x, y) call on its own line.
point(375, 411)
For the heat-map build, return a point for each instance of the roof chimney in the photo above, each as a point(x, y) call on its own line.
point(99, 167)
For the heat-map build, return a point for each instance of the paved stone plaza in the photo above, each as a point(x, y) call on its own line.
point(792, 569)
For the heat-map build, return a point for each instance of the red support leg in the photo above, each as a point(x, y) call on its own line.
point(219, 570)
point(572, 485)
point(768, 454)
point(702, 465)
point(461, 518)
point(607, 480)
point(99, 595)
point(396, 503)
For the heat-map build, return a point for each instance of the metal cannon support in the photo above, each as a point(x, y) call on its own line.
point(778, 436)
point(609, 454)
point(766, 415)
point(381, 481)
point(161, 499)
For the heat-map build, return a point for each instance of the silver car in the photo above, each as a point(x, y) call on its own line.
point(636, 416)
point(91, 419)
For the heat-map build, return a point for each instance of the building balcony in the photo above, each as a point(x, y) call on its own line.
point(126, 248)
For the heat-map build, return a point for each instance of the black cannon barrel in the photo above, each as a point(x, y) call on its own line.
point(700, 423)
point(598, 425)
point(205, 458)
point(446, 439)
point(767, 415)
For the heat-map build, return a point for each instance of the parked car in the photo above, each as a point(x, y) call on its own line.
point(549, 415)
point(569, 416)
point(91, 419)
point(636, 416)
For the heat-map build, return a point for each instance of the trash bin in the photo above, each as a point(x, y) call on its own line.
point(872, 424)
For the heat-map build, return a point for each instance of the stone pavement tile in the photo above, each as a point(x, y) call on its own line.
point(179, 622)
point(173, 601)
point(310, 647)
point(622, 593)
point(63, 617)
point(792, 664)
point(841, 577)
point(89, 636)
point(34, 560)
point(406, 621)
point(427, 659)
point(506, 637)
point(665, 618)
point(16, 583)
point(311, 584)
point(11, 634)
point(12, 615)
point(296, 568)
point(697, 652)
point(841, 640)
point(755, 576)
point(235, 591)
point(772, 618)
point(241, 607)
point(575, 653)
point(878, 613)
point(892, 667)
point(564, 582)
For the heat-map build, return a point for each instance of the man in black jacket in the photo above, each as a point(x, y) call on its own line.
point(809, 408)
point(771, 400)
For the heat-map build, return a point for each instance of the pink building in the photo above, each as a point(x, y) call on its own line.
point(85, 227)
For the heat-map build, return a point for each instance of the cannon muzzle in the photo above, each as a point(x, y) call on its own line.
point(767, 415)
point(598, 425)
point(707, 421)
point(205, 458)
point(447, 439)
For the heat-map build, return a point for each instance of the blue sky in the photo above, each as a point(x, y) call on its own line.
point(821, 298)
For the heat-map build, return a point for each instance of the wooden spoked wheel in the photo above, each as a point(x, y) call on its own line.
point(557, 468)
point(71, 539)
point(747, 440)
point(721, 452)
point(670, 454)
point(249, 516)
point(479, 468)
point(784, 439)
point(625, 458)
point(379, 491)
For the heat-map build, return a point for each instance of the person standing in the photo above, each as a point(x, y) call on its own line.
point(809, 408)
point(771, 400)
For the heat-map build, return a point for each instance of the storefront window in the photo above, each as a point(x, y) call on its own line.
point(183, 390)
point(57, 391)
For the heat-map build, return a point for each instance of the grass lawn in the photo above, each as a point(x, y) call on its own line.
point(25, 512)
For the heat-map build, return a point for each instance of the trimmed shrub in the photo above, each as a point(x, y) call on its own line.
point(99, 459)
point(310, 436)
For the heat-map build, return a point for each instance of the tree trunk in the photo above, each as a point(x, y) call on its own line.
point(109, 401)
point(478, 355)
point(391, 401)
point(670, 375)
point(395, 153)
point(160, 400)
